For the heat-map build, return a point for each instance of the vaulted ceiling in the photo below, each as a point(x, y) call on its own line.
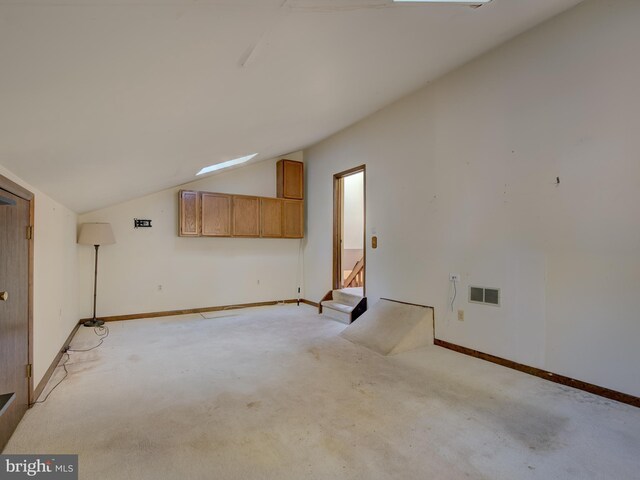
point(106, 100)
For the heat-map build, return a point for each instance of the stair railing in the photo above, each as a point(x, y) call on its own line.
point(356, 277)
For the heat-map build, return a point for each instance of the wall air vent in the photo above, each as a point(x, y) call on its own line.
point(485, 295)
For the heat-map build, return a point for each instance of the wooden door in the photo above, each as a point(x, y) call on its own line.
point(290, 179)
point(246, 216)
point(216, 214)
point(293, 218)
point(189, 213)
point(271, 217)
point(14, 309)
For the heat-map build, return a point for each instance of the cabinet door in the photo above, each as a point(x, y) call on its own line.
point(290, 179)
point(246, 216)
point(271, 217)
point(216, 214)
point(189, 223)
point(293, 218)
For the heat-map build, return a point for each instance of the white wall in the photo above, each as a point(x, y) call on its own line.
point(461, 179)
point(192, 272)
point(353, 229)
point(55, 306)
point(353, 222)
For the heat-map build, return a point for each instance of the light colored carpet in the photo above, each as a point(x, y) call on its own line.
point(276, 393)
point(389, 328)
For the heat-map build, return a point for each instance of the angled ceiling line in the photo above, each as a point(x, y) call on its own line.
point(252, 51)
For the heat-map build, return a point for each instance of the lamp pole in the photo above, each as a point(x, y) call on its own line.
point(94, 322)
point(95, 234)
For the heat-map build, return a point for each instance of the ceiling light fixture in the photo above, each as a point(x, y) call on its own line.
point(228, 163)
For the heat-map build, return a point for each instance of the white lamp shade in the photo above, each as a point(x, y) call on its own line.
point(96, 234)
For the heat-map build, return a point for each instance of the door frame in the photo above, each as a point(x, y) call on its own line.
point(19, 191)
point(338, 213)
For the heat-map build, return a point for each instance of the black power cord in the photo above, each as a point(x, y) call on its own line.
point(66, 374)
point(102, 332)
point(455, 294)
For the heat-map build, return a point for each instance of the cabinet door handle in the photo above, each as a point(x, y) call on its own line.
point(4, 296)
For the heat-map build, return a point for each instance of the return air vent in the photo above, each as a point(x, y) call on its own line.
point(484, 295)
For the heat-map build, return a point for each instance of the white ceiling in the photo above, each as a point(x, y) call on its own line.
point(107, 100)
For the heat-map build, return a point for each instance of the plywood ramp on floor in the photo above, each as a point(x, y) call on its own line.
point(392, 327)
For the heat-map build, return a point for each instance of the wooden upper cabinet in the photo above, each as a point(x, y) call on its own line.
point(246, 216)
point(290, 179)
point(271, 217)
point(189, 213)
point(216, 214)
point(209, 214)
point(293, 218)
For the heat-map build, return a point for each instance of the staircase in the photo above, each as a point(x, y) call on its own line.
point(356, 277)
point(344, 305)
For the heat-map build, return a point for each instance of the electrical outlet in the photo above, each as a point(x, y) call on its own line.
point(454, 277)
point(461, 315)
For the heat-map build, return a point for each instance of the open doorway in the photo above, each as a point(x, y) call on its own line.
point(349, 258)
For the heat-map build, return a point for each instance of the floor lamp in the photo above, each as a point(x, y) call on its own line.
point(95, 234)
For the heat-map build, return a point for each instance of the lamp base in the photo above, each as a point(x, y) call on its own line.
point(93, 323)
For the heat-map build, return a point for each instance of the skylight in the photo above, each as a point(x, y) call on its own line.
point(227, 164)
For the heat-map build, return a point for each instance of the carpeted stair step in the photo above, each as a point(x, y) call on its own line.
point(346, 298)
point(337, 311)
